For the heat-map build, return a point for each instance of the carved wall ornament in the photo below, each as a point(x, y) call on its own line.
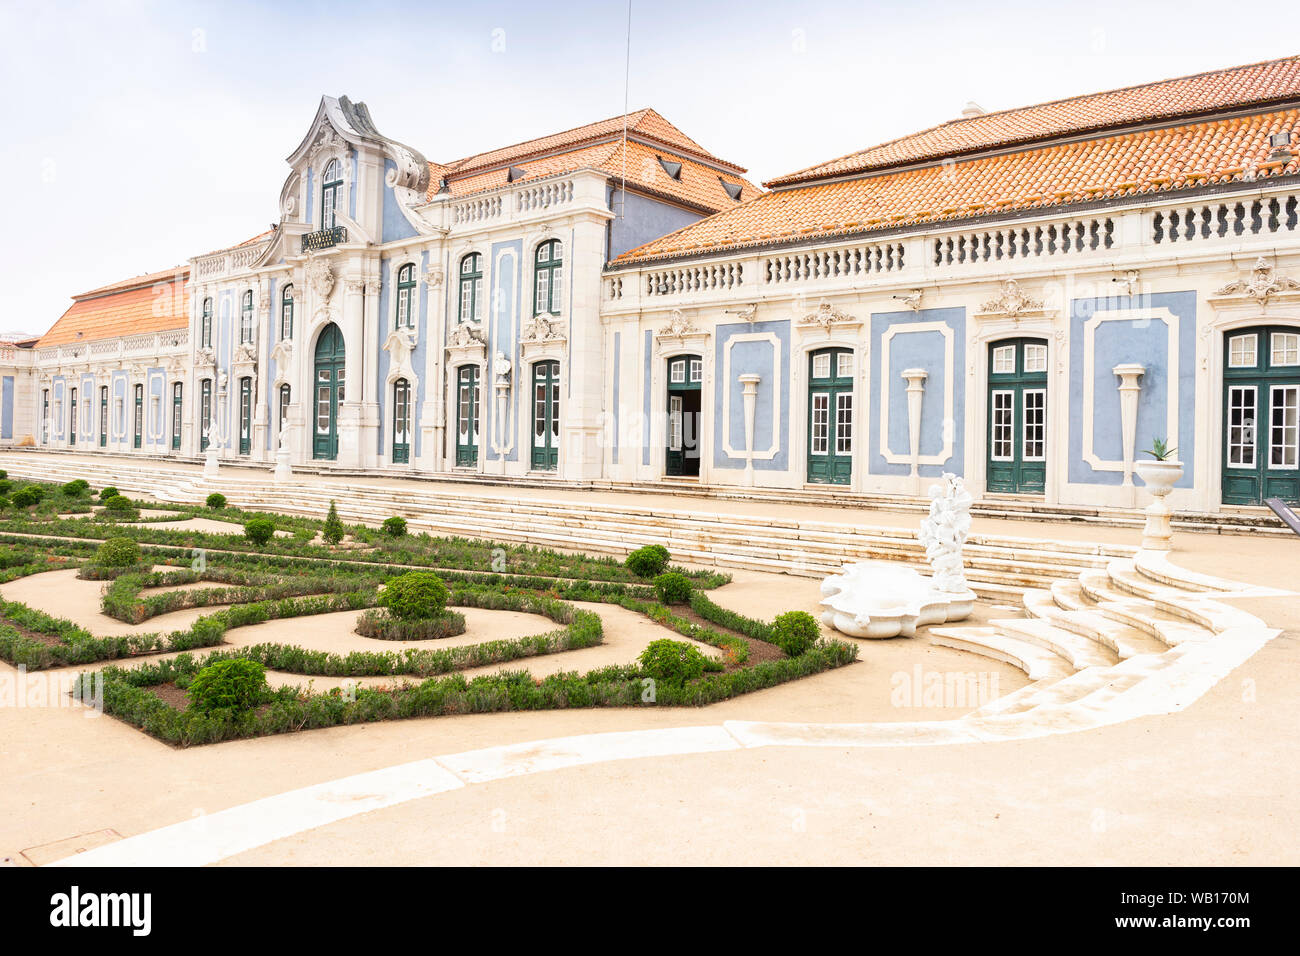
point(354, 285)
point(501, 368)
point(466, 335)
point(543, 328)
point(434, 277)
point(320, 276)
point(1262, 284)
point(399, 345)
point(912, 299)
point(1128, 282)
point(747, 312)
point(825, 316)
point(1012, 302)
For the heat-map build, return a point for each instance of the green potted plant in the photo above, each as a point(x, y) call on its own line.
point(1160, 474)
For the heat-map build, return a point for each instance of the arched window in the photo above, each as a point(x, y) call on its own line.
point(471, 287)
point(205, 327)
point(246, 319)
point(406, 297)
point(401, 421)
point(548, 281)
point(330, 192)
point(286, 313)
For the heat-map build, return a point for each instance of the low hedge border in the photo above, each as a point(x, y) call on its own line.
point(382, 626)
point(127, 696)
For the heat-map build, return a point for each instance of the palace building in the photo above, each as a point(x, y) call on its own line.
point(1029, 299)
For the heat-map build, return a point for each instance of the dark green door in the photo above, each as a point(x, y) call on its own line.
point(401, 422)
point(245, 415)
point(103, 416)
point(546, 416)
point(176, 415)
point(139, 415)
point(1261, 415)
point(1017, 416)
point(72, 417)
point(329, 393)
point(830, 417)
point(467, 416)
point(685, 381)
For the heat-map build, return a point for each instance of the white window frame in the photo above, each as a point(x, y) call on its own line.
point(1294, 443)
point(999, 352)
point(1254, 429)
point(1010, 424)
point(1039, 352)
point(1291, 349)
point(1234, 352)
point(1025, 424)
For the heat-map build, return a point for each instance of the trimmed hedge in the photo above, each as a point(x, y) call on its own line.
point(382, 626)
point(673, 588)
point(649, 561)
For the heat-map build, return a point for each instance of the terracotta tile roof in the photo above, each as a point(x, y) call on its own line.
point(151, 303)
point(1273, 81)
point(645, 123)
point(239, 245)
point(696, 185)
point(1126, 164)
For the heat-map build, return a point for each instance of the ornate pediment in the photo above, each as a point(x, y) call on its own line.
point(680, 329)
point(1012, 302)
point(1262, 284)
point(466, 335)
point(827, 317)
point(543, 328)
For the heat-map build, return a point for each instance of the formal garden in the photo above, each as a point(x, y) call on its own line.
point(410, 592)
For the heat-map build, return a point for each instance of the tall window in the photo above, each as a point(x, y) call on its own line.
point(246, 319)
point(406, 297)
point(286, 313)
point(72, 416)
point(548, 282)
point(401, 421)
point(45, 415)
point(205, 327)
point(471, 287)
point(177, 389)
point(103, 416)
point(331, 190)
point(205, 413)
point(285, 395)
point(139, 416)
point(245, 415)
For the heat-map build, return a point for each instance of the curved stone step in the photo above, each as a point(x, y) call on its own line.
point(1145, 618)
point(1037, 662)
point(1075, 649)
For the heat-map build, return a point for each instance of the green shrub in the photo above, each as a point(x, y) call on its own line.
point(5, 503)
point(216, 501)
point(234, 685)
point(394, 527)
point(120, 505)
point(259, 530)
point(3, 473)
point(109, 492)
point(673, 662)
point(27, 496)
point(75, 488)
point(118, 553)
point(5, 486)
point(673, 588)
point(333, 530)
point(415, 596)
point(648, 561)
point(795, 632)
point(385, 627)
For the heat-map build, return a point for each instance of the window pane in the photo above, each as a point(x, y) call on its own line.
point(1242, 351)
point(1001, 426)
point(1285, 349)
point(844, 423)
point(822, 365)
point(844, 365)
point(1035, 358)
point(1241, 426)
point(820, 422)
point(1284, 439)
point(1035, 426)
point(1004, 360)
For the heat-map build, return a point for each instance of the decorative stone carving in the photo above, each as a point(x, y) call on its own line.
point(825, 316)
point(320, 277)
point(433, 278)
point(354, 285)
point(502, 368)
point(1129, 282)
point(399, 345)
point(679, 329)
point(912, 299)
point(543, 328)
point(466, 335)
point(876, 599)
point(746, 312)
point(1012, 302)
point(1263, 283)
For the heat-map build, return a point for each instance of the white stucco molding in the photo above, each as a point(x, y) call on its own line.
point(771, 451)
point(1172, 395)
point(949, 392)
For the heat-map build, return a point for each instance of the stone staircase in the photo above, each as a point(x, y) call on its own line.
point(1000, 566)
point(1134, 638)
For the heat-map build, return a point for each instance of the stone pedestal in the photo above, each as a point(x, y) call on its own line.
point(1160, 477)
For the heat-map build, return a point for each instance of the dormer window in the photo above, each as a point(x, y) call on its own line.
point(205, 325)
point(673, 169)
point(733, 189)
point(246, 319)
point(515, 173)
point(406, 297)
point(330, 192)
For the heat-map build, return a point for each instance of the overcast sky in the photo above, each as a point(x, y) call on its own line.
point(139, 134)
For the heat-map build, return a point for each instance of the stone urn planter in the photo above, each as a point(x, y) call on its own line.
point(1159, 476)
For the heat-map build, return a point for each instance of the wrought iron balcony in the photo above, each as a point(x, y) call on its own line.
point(324, 238)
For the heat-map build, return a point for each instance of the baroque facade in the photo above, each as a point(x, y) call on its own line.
point(1028, 299)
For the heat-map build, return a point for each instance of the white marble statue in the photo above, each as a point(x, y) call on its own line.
point(887, 599)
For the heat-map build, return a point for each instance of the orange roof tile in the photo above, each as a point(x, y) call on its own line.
point(1238, 87)
point(151, 303)
point(1125, 164)
point(696, 185)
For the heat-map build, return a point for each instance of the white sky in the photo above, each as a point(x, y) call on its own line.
point(139, 134)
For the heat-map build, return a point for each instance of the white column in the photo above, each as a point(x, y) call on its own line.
point(1129, 389)
point(915, 393)
point(433, 414)
point(349, 416)
point(749, 383)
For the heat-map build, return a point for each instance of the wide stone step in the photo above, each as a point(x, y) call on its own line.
point(1146, 618)
point(1037, 662)
point(1076, 650)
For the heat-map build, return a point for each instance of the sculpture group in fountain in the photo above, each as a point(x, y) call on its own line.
point(885, 599)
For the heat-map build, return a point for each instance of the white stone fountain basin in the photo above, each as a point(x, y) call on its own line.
point(883, 599)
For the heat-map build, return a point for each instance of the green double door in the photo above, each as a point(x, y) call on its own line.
point(1261, 415)
point(328, 395)
point(467, 416)
point(546, 416)
point(830, 417)
point(685, 388)
point(1017, 410)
